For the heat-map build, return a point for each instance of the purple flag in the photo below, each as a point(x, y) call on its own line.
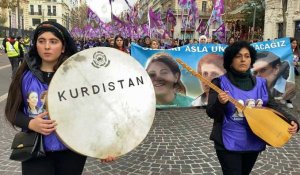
point(76, 32)
point(93, 16)
point(207, 32)
point(132, 15)
point(220, 33)
point(183, 3)
point(88, 29)
point(218, 11)
point(145, 28)
point(119, 25)
point(157, 27)
point(202, 26)
point(194, 13)
point(117, 21)
point(171, 17)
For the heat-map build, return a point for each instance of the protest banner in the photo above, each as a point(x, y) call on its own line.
point(178, 88)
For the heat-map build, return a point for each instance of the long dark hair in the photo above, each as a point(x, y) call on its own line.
point(115, 42)
point(297, 50)
point(15, 98)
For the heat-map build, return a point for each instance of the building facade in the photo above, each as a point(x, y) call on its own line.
point(204, 7)
point(14, 16)
point(28, 14)
point(47, 10)
point(274, 19)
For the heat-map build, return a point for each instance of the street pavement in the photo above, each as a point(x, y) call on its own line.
point(176, 144)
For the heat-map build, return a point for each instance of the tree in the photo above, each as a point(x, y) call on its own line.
point(4, 5)
point(78, 17)
point(257, 7)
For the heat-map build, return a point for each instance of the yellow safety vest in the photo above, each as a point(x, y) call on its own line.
point(12, 50)
point(27, 41)
point(23, 48)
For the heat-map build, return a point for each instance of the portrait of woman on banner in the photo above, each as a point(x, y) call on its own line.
point(166, 78)
point(277, 73)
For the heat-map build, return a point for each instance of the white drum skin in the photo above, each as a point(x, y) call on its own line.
point(103, 102)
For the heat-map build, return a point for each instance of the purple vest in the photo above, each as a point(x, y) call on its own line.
point(236, 133)
point(32, 89)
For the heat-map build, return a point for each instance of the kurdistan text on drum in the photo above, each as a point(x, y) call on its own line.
point(95, 89)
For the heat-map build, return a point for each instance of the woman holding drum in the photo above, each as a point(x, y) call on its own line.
point(237, 147)
point(52, 45)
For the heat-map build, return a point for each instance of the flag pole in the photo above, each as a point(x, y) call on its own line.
point(207, 24)
point(149, 27)
point(111, 15)
point(177, 19)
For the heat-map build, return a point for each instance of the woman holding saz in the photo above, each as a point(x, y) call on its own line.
point(236, 145)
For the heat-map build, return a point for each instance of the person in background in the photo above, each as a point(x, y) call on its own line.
point(296, 55)
point(154, 44)
point(186, 41)
point(120, 44)
point(202, 39)
point(79, 45)
point(89, 44)
point(103, 42)
point(175, 43)
point(111, 42)
point(209, 40)
point(27, 43)
point(13, 50)
point(237, 147)
point(216, 41)
point(24, 51)
point(3, 44)
point(231, 40)
point(146, 42)
point(140, 42)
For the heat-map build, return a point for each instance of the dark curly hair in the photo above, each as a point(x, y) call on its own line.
point(232, 50)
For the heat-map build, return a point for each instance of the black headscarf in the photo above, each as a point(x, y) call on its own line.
point(34, 61)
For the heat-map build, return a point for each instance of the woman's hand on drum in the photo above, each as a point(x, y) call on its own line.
point(108, 159)
point(41, 125)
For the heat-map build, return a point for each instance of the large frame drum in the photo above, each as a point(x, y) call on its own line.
point(103, 102)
